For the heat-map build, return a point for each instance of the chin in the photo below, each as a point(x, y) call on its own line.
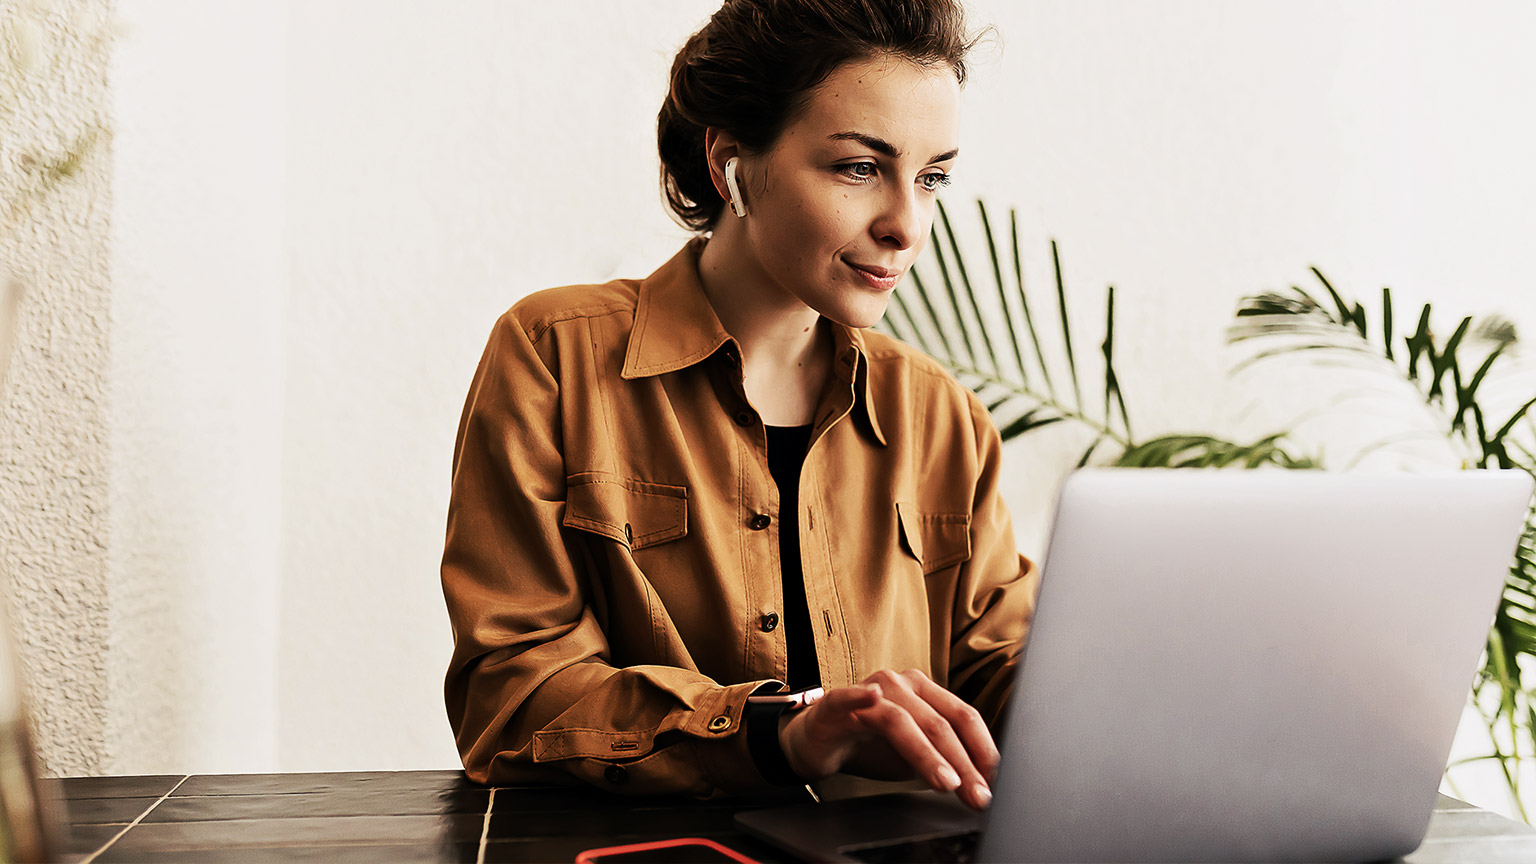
point(860, 317)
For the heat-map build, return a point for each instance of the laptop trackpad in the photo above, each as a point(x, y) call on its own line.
point(821, 831)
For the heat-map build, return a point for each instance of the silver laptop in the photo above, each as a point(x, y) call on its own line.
point(1224, 666)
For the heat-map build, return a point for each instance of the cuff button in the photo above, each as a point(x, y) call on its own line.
point(616, 775)
point(720, 724)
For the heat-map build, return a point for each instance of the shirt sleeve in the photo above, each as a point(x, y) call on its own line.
point(998, 586)
point(531, 691)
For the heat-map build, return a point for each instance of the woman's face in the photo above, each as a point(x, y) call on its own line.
point(839, 208)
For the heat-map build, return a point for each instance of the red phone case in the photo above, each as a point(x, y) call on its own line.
point(596, 856)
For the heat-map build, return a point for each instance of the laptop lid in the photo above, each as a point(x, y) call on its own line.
point(1243, 666)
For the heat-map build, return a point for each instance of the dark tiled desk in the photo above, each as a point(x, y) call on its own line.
point(435, 816)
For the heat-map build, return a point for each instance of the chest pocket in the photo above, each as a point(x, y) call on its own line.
point(936, 540)
point(635, 513)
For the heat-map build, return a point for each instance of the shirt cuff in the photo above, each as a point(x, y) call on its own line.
point(727, 761)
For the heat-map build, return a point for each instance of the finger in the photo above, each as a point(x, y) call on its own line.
point(945, 738)
point(966, 721)
point(818, 740)
point(893, 722)
point(835, 713)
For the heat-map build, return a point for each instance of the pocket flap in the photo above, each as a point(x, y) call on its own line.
point(633, 512)
point(935, 539)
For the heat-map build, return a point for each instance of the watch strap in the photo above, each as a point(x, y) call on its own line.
point(764, 745)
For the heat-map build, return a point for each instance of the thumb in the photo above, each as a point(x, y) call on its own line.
point(837, 713)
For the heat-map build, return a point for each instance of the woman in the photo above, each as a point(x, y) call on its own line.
point(672, 494)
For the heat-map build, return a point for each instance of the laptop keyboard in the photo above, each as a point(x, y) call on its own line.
point(949, 849)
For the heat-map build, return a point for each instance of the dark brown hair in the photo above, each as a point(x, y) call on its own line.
point(752, 67)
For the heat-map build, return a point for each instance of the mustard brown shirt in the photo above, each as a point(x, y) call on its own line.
point(612, 568)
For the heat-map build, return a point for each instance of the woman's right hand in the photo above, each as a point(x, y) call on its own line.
point(894, 726)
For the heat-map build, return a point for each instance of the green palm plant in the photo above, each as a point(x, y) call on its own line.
point(1022, 360)
point(1023, 363)
point(1451, 378)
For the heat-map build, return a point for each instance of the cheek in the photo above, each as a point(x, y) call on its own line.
point(833, 217)
point(812, 223)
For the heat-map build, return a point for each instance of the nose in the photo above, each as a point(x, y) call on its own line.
point(902, 221)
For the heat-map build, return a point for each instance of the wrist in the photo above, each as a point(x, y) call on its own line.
point(765, 741)
point(789, 745)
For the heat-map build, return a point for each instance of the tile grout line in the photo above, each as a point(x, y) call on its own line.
point(118, 836)
point(485, 828)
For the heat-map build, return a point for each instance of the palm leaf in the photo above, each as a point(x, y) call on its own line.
point(1029, 320)
point(1205, 451)
point(1002, 293)
point(1033, 419)
point(970, 292)
point(932, 317)
point(1066, 325)
point(954, 298)
point(1111, 380)
point(1386, 321)
point(980, 368)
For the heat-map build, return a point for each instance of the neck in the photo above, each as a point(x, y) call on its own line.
point(781, 338)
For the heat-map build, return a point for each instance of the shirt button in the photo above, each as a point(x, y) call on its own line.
point(616, 775)
point(719, 724)
point(629, 533)
point(759, 522)
point(768, 622)
point(743, 419)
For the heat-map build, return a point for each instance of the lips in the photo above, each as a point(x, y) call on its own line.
point(881, 279)
point(877, 272)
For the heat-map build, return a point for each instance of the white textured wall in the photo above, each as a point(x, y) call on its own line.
point(320, 208)
point(54, 422)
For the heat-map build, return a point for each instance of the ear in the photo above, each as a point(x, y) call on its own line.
point(718, 147)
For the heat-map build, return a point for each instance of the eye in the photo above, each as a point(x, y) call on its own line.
point(934, 182)
point(857, 171)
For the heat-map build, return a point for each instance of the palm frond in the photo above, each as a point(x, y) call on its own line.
point(954, 298)
point(970, 292)
point(1205, 451)
point(1029, 320)
point(1002, 292)
point(952, 327)
point(1066, 324)
point(1112, 380)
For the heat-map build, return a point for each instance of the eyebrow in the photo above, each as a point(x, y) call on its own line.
point(883, 147)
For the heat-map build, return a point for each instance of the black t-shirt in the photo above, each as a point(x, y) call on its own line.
point(786, 453)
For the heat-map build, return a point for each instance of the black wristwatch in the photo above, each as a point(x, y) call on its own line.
point(762, 721)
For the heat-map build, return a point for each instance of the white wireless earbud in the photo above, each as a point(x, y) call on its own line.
point(730, 183)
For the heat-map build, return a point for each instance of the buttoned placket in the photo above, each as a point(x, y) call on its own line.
point(766, 592)
point(767, 653)
point(821, 594)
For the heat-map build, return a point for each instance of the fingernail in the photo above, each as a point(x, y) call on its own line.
point(948, 778)
point(982, 794)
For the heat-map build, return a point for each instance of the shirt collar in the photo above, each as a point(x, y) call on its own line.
point(676, 327)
